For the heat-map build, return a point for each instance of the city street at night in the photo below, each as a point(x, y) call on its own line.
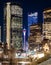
point(25, 32)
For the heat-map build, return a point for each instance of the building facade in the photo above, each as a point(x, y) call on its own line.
point(0, 33)
point(47, 24)
point(35, 36)
point(13, 25)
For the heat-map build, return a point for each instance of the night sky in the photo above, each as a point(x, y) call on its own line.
point(29, 6)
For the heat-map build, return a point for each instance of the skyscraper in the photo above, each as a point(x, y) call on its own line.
point(13, 24)
point(35, 35)
point(32, 19)
point(0, 33)
point(47, 23)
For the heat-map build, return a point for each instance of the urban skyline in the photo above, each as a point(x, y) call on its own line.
point(25, 32)
point(40, 20)
point(28, 7)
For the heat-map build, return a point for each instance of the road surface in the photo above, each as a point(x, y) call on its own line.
point(47, 62)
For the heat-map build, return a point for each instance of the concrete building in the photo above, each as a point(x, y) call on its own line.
point(35, 35)
point(47, 23)
point(13, 25)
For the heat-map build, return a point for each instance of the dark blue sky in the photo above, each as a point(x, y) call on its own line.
point(28, 7)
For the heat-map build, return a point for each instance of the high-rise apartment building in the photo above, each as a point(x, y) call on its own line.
point(47, 23)
point(13, 24)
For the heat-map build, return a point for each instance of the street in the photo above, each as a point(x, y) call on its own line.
point(47, 62)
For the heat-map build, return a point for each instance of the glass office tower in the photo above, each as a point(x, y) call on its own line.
point(33, 30)
point(32, 19)
point(13, 25)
